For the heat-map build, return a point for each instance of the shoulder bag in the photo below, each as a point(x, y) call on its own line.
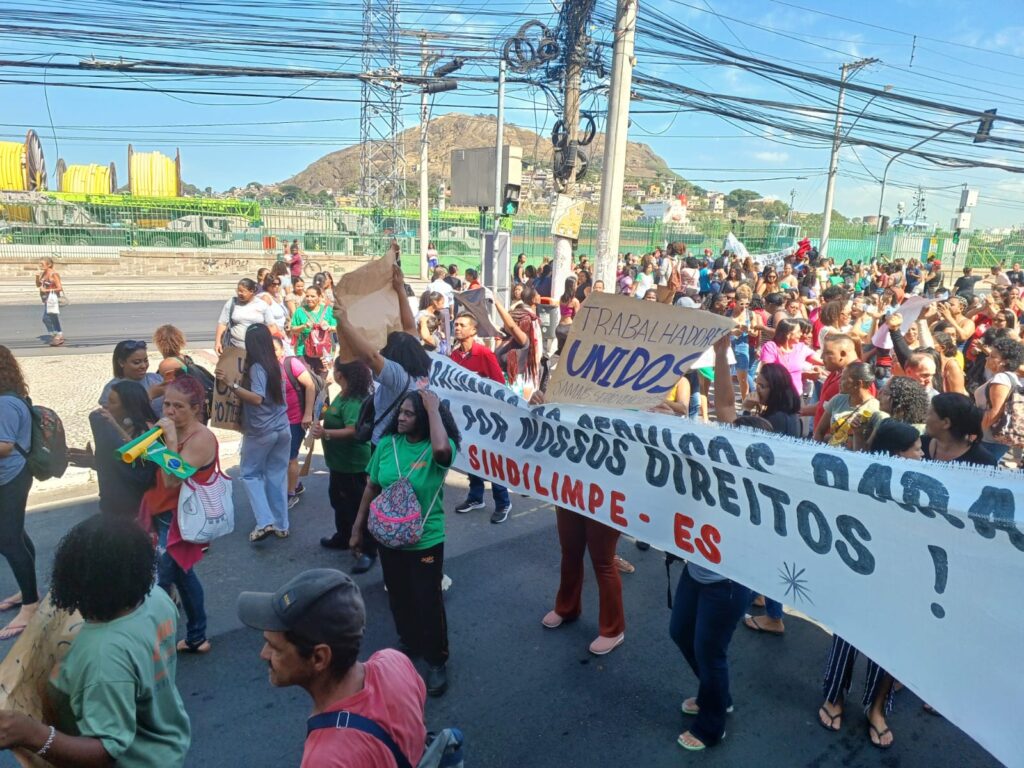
point(206, 511)
point(396, 518)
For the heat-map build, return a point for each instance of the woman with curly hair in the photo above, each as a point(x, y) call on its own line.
point(115, 689)
point(904, 399)
point(418, 445)
point(185, 434)
point(15, 482)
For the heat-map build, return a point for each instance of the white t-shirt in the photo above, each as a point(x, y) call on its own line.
point(1005, 378)
point(644, 283)
point(445, 290)
point(238, 317)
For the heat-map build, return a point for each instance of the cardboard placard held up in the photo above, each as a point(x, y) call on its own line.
point(26, 669)
point(227, 408)
point(625, 353)
point(369, 300)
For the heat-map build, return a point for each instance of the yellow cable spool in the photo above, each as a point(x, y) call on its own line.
point(87, 179)
point(12, 166)
point(152, 174)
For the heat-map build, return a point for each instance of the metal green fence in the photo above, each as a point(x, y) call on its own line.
point(72, 227)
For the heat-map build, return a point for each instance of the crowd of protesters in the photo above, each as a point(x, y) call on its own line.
point(818, 352)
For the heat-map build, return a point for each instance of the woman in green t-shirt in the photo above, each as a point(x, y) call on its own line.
point(112, 699)
point(419, 445)
point(313, 326)
point(346, 457)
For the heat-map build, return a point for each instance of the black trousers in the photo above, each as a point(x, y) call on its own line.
point(413, 579)
point(346, 491)
point(15, 544)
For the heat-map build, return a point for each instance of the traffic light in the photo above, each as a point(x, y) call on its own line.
point(510, 202)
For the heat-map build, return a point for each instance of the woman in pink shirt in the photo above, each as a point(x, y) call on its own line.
point(788, 350)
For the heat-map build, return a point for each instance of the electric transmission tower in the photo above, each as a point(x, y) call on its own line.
point(382, 153)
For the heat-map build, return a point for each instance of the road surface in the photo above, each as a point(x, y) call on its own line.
point(91, 328)
point(525, 696)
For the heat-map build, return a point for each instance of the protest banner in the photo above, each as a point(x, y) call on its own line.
point(26, 669)
point(629, 354)
point(917, 564)
point(367, 296)
point(227, 408)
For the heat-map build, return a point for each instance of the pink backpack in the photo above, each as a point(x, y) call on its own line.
point(396, 518)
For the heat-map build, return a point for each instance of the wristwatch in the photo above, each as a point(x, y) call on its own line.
point(235, 387)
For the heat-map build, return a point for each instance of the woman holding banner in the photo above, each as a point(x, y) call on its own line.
point(707, 607)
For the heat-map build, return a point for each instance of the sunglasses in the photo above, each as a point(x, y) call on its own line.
point(132, 346)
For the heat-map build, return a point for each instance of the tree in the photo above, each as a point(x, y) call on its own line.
point(774, 209)
point(739, 199)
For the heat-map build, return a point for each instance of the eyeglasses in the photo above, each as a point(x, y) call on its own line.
point(276, 282)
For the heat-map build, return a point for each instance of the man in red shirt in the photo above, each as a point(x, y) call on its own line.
point(472, 279)
point(471, 354)
point(313, 627)
point(294, 260)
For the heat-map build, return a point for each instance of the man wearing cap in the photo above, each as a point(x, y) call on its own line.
point(313, 628)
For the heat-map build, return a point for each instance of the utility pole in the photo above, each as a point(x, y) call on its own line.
point(792, 202)
point(616, 133)
point(833, 166)
point(575, 56)
point(500, 146)
point(424, 160)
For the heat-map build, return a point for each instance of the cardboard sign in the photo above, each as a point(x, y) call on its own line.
point(227, 408)
point(370, 301)
point(26, 669)
point(626, 353)
point(916, 563)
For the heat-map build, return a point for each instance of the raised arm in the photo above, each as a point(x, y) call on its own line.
point(725, 393)
point(439, 442)
point(510, 325)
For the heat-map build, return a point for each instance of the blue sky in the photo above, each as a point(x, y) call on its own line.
point(966, 54)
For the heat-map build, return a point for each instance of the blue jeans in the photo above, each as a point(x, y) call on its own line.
point(190, 589)
point(704, 616)
point(476, 492)
point(772, 608)
point(51, 322)
point(264, 473)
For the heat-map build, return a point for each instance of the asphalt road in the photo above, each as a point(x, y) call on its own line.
point(92, 328)
point(524, 696)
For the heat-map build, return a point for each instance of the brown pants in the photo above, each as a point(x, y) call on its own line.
point(576, 535)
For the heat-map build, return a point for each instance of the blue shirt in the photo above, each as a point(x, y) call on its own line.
point(705, 280)
point(16, 428)
point(392, 384)
point(268, 416)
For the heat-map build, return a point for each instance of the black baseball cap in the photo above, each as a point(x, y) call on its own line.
point(321, 605)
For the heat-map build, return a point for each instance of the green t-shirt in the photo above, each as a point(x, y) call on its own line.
point(425, 475)
point(117, 685)
point(346, 456)
point(302, 317)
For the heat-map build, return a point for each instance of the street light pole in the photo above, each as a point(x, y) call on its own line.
point(885, 174)
point(833, 165)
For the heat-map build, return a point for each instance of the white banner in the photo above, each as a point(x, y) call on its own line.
point(919, 565)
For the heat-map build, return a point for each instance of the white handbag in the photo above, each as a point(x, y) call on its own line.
point(206, 511)
point(52, 303)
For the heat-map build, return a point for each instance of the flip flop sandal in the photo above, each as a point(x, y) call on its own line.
point(695, 710)
point(830, 726)
point(10, 632)
point(874, 733)
point(693, 747)
point(9, 605)
point(281, 534)
point(750, 622)
point(184, 646)
point(259, 534)
point(624, 565)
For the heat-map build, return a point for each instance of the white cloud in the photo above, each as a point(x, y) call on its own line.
point(772, 157)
